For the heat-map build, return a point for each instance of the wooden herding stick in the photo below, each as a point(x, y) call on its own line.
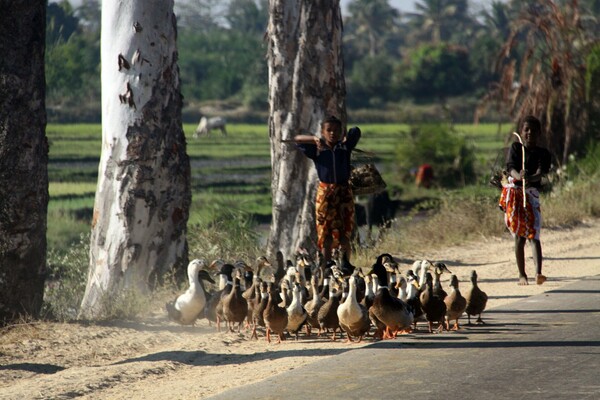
point(523, 168)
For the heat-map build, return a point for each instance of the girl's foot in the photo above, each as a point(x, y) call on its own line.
point(523, 280)
point(540, 279)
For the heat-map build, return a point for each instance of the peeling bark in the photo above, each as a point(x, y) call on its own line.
point(306, 83)
point(23, 158)
point(143, 196)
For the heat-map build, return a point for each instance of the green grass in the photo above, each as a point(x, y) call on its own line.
point(61, 189)
point(227, 171)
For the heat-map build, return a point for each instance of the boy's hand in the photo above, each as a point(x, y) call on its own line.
point(319, 143)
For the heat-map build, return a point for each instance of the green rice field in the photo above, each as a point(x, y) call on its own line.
point(230, 171)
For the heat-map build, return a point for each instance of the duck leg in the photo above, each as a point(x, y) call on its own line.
point(440, 327)
point(348, 339)
point(387, 334)
point(333, 337)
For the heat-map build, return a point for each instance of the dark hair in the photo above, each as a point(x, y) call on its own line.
point(533, 122)
point(332, 119)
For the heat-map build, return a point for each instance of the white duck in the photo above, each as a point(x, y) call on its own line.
point(421, 270)
point(186, 308)
point(296, 313)
point(353, 316)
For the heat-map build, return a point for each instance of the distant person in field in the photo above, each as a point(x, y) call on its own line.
point(424, 176)
point(525, 223)
point(335, 201)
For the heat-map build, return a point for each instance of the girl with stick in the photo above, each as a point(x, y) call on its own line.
point(527, 163)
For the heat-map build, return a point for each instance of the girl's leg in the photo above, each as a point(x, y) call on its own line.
point(520, 256)
point(536, 248)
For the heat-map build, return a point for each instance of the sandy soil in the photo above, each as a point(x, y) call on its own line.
point(157, 359)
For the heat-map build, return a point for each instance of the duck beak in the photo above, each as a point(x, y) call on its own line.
point(416, 284)
point(206, 276)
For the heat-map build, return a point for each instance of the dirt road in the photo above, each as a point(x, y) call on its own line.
point(157, 359)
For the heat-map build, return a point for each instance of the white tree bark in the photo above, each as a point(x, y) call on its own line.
point(306, 83)
point(143, 195)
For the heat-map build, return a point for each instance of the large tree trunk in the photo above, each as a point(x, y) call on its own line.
point(23, 158)
point(306, 83)
point(143, 195)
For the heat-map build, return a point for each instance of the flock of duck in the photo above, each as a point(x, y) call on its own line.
point(332, 296)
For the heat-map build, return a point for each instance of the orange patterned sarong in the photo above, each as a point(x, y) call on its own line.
point(335, 213)
point(523, 222)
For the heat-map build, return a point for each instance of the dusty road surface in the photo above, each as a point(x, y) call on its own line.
point(157, 359)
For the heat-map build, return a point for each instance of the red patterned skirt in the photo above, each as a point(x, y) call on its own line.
point(524, 222)
point(335, 213)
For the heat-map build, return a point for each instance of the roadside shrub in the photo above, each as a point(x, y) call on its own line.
point(65, 285)
point(459, 218)
point(576, 190)
point(231, 234)
point(452, 158)
point(126, 305)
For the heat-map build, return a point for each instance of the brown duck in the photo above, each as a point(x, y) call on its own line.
point(455, 304)
point(388, 310)
point(433, 307)
point(213, 309)
point(258, 307)
point(476, 300)
point(438, 269)
point(327, 316)
point(313, 305)
point(235, 306)
point(276, 317)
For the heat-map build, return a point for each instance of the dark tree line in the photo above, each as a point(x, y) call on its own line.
point(446, 48)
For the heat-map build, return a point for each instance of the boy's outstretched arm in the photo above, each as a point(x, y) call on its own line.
point(306, 139)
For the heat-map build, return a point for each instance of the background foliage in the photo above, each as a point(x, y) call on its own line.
point(446, 48)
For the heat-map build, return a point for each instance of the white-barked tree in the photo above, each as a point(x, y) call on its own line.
point(306, 83)
point(143, 194)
